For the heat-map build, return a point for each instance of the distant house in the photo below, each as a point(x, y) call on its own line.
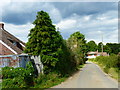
point(9, 44)
point(95, 54)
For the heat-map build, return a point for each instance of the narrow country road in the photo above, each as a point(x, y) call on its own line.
point(90, 76)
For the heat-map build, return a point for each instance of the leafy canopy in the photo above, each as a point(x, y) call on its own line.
point(77, 45)
point(44, 40)
point(91, 46)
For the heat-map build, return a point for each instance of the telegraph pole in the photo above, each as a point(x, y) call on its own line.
point(102, 44)
point(58, 28)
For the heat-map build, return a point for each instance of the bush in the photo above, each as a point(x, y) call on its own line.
point(109, 63)
point(7, 72)
point(18, 77)
point(14, 83)
point(106, 69)
point(46, 81)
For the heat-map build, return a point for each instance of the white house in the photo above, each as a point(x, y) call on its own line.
point(95, 54)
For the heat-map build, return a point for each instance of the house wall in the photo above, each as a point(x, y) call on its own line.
point(4, 50)
point(21, 61)
point(14, 61)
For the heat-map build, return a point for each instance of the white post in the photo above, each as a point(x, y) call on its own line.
point(38, 63)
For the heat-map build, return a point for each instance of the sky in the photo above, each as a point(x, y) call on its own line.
point(93, 19)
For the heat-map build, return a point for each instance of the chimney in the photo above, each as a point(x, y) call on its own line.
point(2, 26)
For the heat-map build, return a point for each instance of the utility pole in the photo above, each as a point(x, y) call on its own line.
point(58, 28)
point(102, 44)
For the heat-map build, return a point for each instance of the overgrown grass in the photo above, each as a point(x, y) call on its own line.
point(80, 66)
point(47, 81)
point(17, 78)
point(109, 64)
point(52, 79)
point(0, 78)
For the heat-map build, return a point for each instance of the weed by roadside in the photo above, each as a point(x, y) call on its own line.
point(109, 64)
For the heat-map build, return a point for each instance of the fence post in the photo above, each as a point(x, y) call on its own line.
point(38, 63)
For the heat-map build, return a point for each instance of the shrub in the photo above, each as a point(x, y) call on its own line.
point(19, 72)
point(18, 77)
point(14, 83)
point(46, 81)
point(7, 72)
point(109, 63)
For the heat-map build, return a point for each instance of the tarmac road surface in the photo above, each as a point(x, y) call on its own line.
point(90, 76)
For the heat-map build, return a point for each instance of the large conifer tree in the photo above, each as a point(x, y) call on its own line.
point(44, 40)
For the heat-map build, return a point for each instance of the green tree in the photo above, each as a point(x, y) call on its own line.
point(91, 46)
point(44, 40)
point(77, 45)
point(115, 47)
point(100, 47)
point(105, 48)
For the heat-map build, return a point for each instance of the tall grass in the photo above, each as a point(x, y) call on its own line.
point(110, 64)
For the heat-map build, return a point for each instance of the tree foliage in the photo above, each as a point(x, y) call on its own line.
point(77, 45)
point(91, 46)
point(100, 47)
point(115, 47)
point(105, 48)
point(44, 40)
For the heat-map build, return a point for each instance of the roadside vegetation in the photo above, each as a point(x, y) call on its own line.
point(60, 58)
point(109, 64)
point(18, 77)
point(25, 78)
point(0, 78)
point(92, 46)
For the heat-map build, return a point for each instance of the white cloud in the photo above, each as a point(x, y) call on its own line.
point(90, 25)
point(18, 7)
point(30, 9)
point(20, 31)
point(67, 24)
point(2, 4)
point(111, 36)
point(87, 18)
point(55, 15)
point(65, 0)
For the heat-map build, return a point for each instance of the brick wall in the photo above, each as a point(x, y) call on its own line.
point(4, 50)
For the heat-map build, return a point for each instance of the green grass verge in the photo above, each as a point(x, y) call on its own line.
point(0, 78)
point(47, 81)
point(41, 82)
point(52, 79)
point(79, 67)
point(112, 72)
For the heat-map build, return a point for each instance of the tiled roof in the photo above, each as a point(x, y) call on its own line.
point(98, 53)
point(11, 41)
point(92, 52)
